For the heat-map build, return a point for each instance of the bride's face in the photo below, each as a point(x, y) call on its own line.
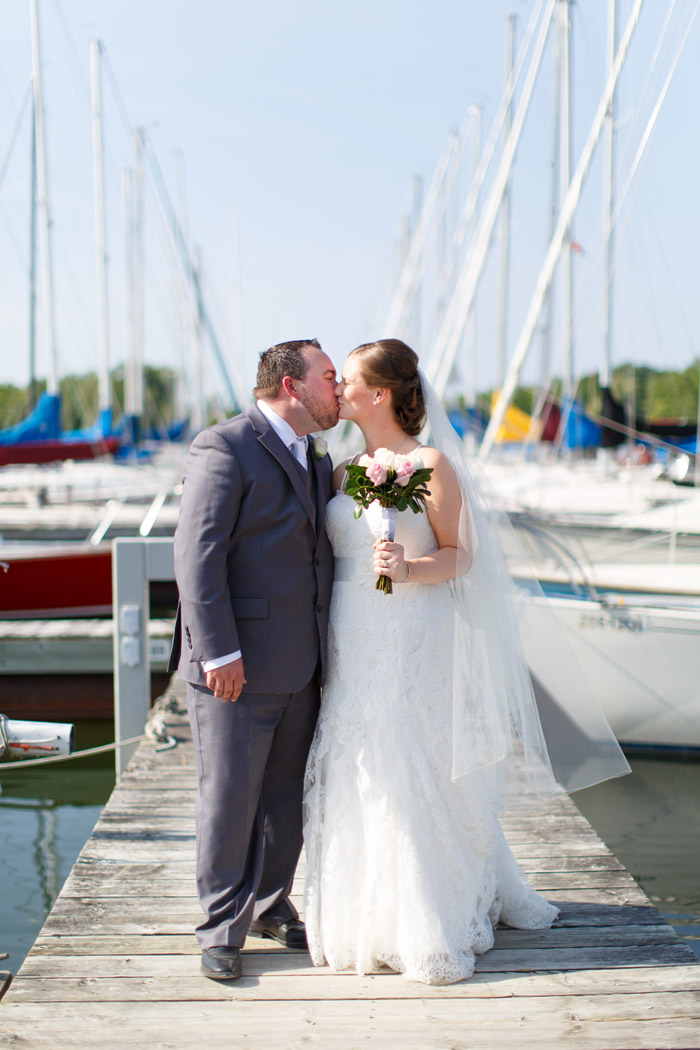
point(356, 397)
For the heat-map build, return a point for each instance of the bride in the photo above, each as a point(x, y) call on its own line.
point(407, 865)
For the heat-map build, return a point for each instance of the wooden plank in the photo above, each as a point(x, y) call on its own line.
point(557, 936)
point(61, 980)
point(106, 867)
point(181, 958)
point(122, 885)
point(352, 992)
point(176, 915)
point(421, 1024)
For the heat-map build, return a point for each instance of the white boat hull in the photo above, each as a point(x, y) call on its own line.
point(643, 664)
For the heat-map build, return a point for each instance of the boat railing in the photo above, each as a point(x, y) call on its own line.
point(564, 557)
point(112, 508)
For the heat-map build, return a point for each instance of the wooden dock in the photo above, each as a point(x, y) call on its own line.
point(116, 963)
point(71, 667)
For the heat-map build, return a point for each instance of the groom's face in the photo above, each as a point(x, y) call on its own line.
point(317, 391)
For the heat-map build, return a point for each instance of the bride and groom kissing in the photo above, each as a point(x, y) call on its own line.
point(323, 709)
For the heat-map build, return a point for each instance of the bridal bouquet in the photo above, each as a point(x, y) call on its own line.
point(395, 482)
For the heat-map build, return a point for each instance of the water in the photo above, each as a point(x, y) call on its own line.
point(650, 820)
point(46, 816)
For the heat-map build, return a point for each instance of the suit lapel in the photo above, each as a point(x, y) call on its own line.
point(276, 447)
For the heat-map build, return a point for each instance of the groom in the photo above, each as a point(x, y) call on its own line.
point(254, 570)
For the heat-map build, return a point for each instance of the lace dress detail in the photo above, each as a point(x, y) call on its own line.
point(404, 867)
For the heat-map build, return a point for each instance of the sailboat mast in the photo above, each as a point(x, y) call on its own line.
point(505, 209)
point(609, 206)
point(566, 166)
point(32, 275)
point(471, 323)
point(554, 202)
point(43, 203)
point(104, 394)
point(127, 209)
point(138, 271)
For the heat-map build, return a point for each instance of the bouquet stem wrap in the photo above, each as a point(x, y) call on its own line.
point(387, 531)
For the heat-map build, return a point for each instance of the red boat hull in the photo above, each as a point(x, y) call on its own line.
point(66, 583)
point(54, 451)
point(60, 580)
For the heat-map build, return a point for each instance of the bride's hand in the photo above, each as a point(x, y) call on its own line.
point(389, 561)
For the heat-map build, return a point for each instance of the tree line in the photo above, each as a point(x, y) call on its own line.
point(79, 399)
point(651, 394)
point(647, 393)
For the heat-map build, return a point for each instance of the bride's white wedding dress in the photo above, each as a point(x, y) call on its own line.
point(405, 868)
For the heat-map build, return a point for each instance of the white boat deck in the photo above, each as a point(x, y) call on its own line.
point(72, 646)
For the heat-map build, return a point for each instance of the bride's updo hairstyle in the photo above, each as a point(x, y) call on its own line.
point(390, 364)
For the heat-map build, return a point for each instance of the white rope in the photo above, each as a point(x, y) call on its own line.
point(154, 730)
point(33, 762)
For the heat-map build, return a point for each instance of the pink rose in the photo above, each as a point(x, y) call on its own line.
point(404, 468)
point(376, 473)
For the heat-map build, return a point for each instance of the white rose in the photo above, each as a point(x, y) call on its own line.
point(320, 447)
point(364, 461)
point(385, 458)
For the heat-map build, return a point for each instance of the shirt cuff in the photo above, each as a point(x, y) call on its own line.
point(211, 665)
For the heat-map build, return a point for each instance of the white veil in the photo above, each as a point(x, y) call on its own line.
point(504, 723)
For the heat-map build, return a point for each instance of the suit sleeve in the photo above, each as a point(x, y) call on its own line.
point(211, 498)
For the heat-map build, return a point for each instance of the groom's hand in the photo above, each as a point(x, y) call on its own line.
point(226, 682)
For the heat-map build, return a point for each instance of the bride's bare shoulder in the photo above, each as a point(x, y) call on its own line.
point(432, 457)
point(439, 463)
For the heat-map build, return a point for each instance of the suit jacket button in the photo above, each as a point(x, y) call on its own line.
point(317, 561)
point(319, 607)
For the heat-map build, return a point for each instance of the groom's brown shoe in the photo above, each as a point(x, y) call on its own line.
point(221, 964)
point(292, 933)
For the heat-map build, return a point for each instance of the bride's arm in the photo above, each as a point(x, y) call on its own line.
point(443, 507)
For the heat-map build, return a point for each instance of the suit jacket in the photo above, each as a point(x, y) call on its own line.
point(253, 564)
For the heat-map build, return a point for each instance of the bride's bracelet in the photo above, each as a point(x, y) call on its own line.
point(408, 571)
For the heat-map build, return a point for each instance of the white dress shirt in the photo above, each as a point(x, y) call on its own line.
point(297, 446)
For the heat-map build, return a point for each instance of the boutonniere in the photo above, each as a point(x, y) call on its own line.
point(320, 447)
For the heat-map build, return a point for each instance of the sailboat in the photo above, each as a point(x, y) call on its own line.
point(38, 438)
point(634, 627)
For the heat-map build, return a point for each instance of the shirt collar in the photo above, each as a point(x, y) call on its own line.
point(285, 432)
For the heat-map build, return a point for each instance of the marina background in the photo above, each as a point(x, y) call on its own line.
point(293, 137)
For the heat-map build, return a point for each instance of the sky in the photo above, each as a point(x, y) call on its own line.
point(290, 137)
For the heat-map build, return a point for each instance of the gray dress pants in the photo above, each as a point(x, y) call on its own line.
point(251, 756)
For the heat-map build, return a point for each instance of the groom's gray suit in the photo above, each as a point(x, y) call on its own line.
point(254, 570)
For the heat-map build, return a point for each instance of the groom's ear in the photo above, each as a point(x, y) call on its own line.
point(288, 385)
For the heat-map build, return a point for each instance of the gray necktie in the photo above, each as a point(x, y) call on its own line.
point(298, 450)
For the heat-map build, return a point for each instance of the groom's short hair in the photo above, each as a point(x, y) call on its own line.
point(283, 359)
